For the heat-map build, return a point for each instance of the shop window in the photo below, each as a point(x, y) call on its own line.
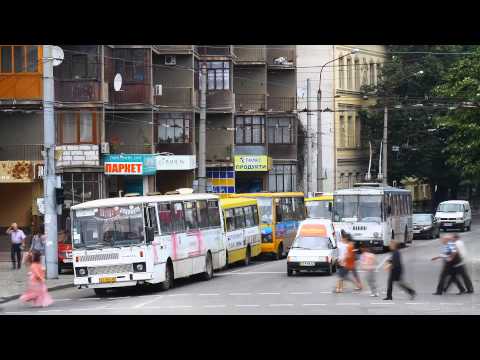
point(202, 214)
point(239, 218)
point(174, 128)
point(178, 218)
point(249, 220)
point(218, 75)
point(282, 178)
point(250, 130)
point(191, 222)
point(77, 127)
point(229, 220)
point(213, 213)
point(281, 130)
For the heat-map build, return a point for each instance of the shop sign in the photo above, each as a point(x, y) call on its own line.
point(129, 164)
point(176, 162)
point(252, 163)
point(16, 171)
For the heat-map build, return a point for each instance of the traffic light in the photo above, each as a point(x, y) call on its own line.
point(60, 196)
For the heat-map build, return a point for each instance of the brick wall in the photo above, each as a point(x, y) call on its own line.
point(78, 155)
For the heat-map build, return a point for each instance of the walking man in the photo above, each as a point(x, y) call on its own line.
point(17, 238)
point(450, 259)
point(461, 269)
point(396, 271)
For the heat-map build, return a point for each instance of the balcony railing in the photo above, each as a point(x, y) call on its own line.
point(173, 49)
point(220, 100)
point(31, 152)
point(281, 104)
point(214, 50)
point(133, 93)
point(178, 97)
point(77, 90)
point(247, 54)
point(275, 57)
point(130, 148)
point(250, 102)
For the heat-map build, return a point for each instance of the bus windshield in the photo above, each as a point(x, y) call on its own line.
point(318, 209)
point(265, 208)
point(108, 227)
point(358, 208)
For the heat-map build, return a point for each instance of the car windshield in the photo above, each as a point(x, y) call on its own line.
point(318, 209)
point(312, 243)
point(265, 210)
point(108, 227)
point(450, 208)
point(422, 218)
point(358, 208)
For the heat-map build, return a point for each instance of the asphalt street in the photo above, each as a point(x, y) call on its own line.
point(264, 288)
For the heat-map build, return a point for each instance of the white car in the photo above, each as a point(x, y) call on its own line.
point(314, 248)
point(454, 214)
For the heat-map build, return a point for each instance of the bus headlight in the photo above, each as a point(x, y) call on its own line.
point(267, 238)
point(81, 271)
point(139, 267)
point(376, 235)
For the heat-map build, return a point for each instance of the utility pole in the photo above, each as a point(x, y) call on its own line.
point(309, 126)
point(319, 133)
point(49, 180)
point(385, 147)
point(202, 186)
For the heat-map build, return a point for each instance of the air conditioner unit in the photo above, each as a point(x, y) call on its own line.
point(105, 148)
point(170, 60)
point(158, 90)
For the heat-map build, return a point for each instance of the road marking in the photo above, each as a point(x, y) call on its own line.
point(253, 273)
point(248, 305)
point(325, 292)
point(214, 306)
point(239, 294)
point(415, 303)
point(280, 305)
point(179, 294)
point(269, 293)
point(119, 297)
point(86, 299)
point(300, 293)
point(61, 299)
point(215, 294)
point(17, 312)
point(45, 311)
point(139, 306)
point(348, 304)
point(451, 304)
point(382, 303)
point(180, 306)
point(85, 309)
point(314, 304)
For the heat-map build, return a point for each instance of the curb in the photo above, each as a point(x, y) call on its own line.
point(6, 299)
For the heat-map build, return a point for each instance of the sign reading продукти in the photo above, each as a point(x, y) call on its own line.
point(130, 164)
point(252, 163)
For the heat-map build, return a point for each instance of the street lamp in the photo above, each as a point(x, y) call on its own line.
point(319, 117)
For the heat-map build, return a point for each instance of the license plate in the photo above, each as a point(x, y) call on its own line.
point(416, 231)
point(107, 280)
point(67, 261)
point(307, 263)
point(447, 224)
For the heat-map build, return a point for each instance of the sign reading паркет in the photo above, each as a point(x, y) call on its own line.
point(130, 164)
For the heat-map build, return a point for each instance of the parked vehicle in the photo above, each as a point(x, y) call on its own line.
point(425, 226)
point(64, 252)
point(454, 214)
point(314, 248)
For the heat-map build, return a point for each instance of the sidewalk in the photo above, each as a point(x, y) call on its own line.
point(14, 282)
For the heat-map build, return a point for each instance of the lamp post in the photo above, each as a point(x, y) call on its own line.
point(319, 117)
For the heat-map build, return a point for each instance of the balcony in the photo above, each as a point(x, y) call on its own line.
point(250, 102)
point(214, 50)
point(250, 55)
point(282, 58)
point(177, 97)
point(220, 101)
point(281, 104)
point(77, 90)
point(130, 148)
point(131, 94)
point(174, 49)
point(31, 152)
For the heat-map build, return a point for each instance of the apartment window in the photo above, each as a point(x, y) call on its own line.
point(81, 187)
point(78, 128)
point(20, 59)
point(350, 131)
point(218, 75)
point(281, 130)
point(349, 74)
point(250, 130)
point(6, 59)
point(131, 64)
point(78, 66)
point(372, 73)
point(341, 74)
point(358, 132)
point(357, 74)
point(342, 131)
point(282, 178)
point(174, 128)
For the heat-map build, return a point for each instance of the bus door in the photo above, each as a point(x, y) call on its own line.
point(152, 233)
point(234, 235)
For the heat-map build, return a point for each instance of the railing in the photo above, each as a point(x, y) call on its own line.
point(173, 48)
point(130, 148)
point(281, 104)
point(77, 90)
point(21, 152)
point(250, 102)
point(180, 97)
point(220, 100)
point(288, 53)
point(249, 55)
point(214, 50)
point(133, 93)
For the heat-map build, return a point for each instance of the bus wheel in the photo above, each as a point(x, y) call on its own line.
point(279, 253)
point(100, 292)
point(246, 262)
point(208, 274)
point(168, 283)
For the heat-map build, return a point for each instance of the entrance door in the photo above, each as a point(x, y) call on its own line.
point(133, 184)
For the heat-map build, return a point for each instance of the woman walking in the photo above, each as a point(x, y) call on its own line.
point(37, 292)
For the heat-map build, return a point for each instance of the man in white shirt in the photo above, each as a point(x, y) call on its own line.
point(461, 268)
point(17, 238)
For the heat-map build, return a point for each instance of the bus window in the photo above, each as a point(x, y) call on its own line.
point(287, 210)
point(239, 218)
point(191, 222)
point(255, 214)
point(229, 220)
point(299, 208)
point(278, 211)
point(202, 214)
point(213, 213)
point(179, 218)
point(165, 216)
point(153, 218)
point(249, 221)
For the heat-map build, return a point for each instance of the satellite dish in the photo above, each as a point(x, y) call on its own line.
point(58, 55)
point(117, 82)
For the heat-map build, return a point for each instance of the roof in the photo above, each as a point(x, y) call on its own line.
point(454, 202)
point(135, 200)
point(313, 230)
point(320, 198)
point(234, 202)
point(270, 194)
point(371, 190)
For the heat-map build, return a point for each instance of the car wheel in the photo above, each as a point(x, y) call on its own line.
point(279, 252)
point(208, 274)
point(100, 292)
point(289, 272)
point(246, 262)
point(169, 276)
point(462, 228)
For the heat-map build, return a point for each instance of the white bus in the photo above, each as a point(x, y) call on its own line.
point(374, 214)
point(146, 239)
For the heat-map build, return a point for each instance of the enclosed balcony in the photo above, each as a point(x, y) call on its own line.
point(77, 90)
point(174, 49)
point(250, 54)
point(130, 148)
point(220, 101)
point(214, 50)
point(177, 97)
point(281, 104)
point(250, 102)
point(281, 57)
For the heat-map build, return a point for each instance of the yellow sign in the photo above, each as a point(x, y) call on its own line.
point(16, 171)
point(252, 163)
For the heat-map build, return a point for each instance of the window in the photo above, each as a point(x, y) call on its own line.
point(372, 73)
point(358, 132)
point(218, 75)
point(350, 131)
point(255, 214)
point(165, 217)
point(78, 128)
point(20, 59)
point(379, 73)
point(282, 178)
point(153, 218)
point(77, 65)
point(131, 64)
point(364, 72)
point(249, 220)
point(178, 218)
point(287, 209)
point(357, 74)
point(213, 213)
point(174, 128)
point(202, 214)
point(6, 59)
point(349, 74)
point(191, 222)
point(80, 187)
point(281, 130)
point(341, 74)
point(32, 59)
point(250, 130)
point(343, 132)
point(229, 220)
point(239, 218)
point(299, 208)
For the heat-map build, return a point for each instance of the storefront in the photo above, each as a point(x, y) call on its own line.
point(251, 172)
point(175, 171)
point(129, 174)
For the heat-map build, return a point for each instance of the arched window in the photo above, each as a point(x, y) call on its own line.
point(357, 74)
point(341, 74)
point(349, 74)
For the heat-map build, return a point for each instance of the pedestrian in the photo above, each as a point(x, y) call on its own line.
point(341, 271)
point(395, 268)
point(460, 269)
point(347, 263)
point(38, 243)
point(368, 262)
point(450, 258)
point(17, 238)
point(37, 292)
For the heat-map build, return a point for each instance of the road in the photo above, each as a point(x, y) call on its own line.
point(263, 288)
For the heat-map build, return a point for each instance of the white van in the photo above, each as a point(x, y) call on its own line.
point(454, 214)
